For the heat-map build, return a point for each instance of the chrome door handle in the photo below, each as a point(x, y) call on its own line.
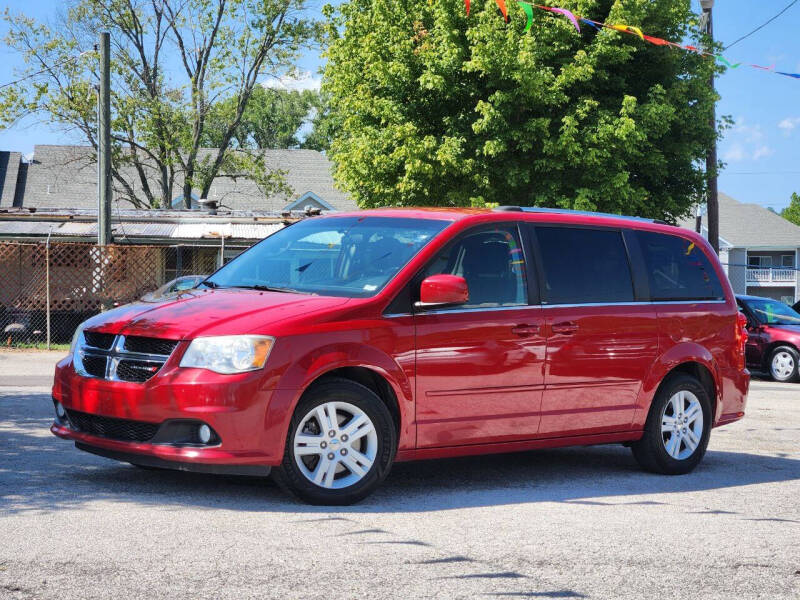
point(523, 330)
point(565, 328)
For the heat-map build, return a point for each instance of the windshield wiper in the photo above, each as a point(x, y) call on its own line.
point(213, 285)
point(269, 288)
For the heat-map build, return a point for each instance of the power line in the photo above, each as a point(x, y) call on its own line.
point(792, 3)
point(45, 70)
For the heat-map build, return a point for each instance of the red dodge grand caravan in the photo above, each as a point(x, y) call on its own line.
point(346, 342)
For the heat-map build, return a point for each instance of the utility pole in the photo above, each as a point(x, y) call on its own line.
point(712, 199)
point(104, 144)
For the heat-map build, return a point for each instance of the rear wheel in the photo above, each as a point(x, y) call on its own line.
point(340, 445)
point(677, 429)
point(783, 363)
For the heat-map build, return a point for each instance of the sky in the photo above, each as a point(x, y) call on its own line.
point(761, 150)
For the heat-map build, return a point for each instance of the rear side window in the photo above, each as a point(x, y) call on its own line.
point(677, 269)
point(584, 265)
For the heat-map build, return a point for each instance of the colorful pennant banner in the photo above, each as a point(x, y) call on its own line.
point(576, 20)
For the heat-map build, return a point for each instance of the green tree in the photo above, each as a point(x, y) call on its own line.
point(323, 126)
point(271, 120)
point(792, 212)
point(435, 107)
point(173, 63)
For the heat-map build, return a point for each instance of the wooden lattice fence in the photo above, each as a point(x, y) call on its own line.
point(83, 280)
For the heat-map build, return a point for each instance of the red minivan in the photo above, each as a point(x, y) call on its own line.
point(343, 343)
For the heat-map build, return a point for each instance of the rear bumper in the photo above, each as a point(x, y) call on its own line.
point(735, 386)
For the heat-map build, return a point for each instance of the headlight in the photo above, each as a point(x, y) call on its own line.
point(77, 336)
point(228, 353)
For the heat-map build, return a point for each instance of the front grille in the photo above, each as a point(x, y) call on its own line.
point(124, 430)
point(124, 358)
point(95, 365)
point(99, 340)
point(137, 371)
point(148, 345)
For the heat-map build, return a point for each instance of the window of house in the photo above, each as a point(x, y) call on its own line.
point(787, 260)
point(759, 262)
point(584, 266)
point(492, 263)
point(677, 269)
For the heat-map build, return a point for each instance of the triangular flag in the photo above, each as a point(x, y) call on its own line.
point(528, 13)
point(657, 41)
point(569, 15)
point(502, 5)
point(628, 29)
point(590, 23)
point(726, 63)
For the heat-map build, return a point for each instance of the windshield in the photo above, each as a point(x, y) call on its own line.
point(352, 257)
point(773, 312)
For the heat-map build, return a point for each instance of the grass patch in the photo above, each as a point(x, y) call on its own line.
point(35, 346)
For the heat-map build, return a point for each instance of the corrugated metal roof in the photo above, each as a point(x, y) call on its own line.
point(254, 231)
point(144, 229)
point(23, 228)
point(201, 230)
point(167, 231)
point(81, 229)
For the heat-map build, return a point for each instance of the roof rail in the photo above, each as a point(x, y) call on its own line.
point(567, 211)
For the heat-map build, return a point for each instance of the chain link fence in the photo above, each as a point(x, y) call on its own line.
point(48, 289)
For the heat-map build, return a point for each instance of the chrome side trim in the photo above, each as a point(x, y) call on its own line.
point(644, 303)
point(529, 306)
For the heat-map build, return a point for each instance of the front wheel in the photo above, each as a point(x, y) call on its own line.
point(340, 445)
point(677, 429)
point(783, 364)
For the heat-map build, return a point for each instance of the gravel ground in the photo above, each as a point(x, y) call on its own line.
point(570, 523)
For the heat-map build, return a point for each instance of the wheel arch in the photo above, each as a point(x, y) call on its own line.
point(704, 376)
point(365, 365)
point(691, 359)
point(370, 379)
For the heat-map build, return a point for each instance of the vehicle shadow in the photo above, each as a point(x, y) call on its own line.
point(39, 472)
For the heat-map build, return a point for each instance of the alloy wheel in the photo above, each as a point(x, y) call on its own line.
point(682, 425)
point(335, 445)
point(782, 365)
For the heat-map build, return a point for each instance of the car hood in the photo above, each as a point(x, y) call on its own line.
point(196, 313)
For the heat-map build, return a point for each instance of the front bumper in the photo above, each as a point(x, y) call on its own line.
point(147, 460)
point(235, 406)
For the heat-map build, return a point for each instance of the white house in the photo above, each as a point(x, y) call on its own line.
point(759, 249)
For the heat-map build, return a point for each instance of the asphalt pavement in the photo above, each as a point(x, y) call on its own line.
point(567, 523)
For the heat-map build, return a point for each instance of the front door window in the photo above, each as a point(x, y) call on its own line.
point(492, 263)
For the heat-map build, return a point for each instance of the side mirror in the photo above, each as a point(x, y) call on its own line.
point(441, 290)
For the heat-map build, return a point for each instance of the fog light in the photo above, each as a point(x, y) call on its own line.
point(61, 413)
point(204, 433)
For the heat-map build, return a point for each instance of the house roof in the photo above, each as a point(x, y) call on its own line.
point(750, 226)
point(66, 177)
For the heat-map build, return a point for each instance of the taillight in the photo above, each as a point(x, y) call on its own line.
point(741, 340)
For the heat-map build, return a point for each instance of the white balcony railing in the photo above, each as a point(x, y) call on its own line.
point(771, 275)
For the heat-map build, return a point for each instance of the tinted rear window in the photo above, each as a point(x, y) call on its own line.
point(584, 266)
point(677, 269)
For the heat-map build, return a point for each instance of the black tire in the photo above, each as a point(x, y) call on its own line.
point(289, 476)
point(650, 451)
point(791, 354)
